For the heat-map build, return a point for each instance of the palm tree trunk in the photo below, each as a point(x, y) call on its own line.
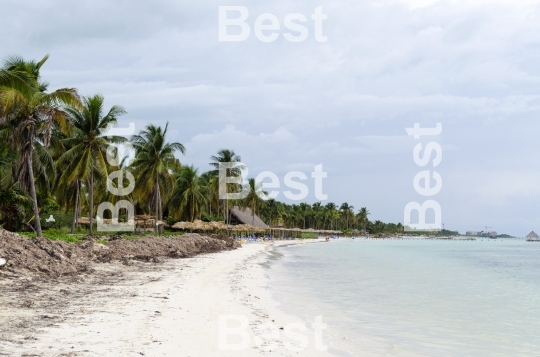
point(91, 201)
point(76, 210)
point(160, 227)
point(39, 233)
point(227, 216)
point(156, 187)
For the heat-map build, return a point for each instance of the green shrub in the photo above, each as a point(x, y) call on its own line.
point(61, 220)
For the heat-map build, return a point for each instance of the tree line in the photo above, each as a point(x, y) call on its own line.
point(54, 158)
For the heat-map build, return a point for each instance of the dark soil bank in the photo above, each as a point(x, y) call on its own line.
point(54, 258)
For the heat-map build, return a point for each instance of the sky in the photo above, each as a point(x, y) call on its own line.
point(473, 66)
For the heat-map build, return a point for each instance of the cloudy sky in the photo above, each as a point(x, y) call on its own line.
point(471, 65)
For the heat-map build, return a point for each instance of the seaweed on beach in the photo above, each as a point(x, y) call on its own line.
point(55, 258)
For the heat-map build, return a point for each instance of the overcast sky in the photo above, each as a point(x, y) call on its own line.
point(473, 66)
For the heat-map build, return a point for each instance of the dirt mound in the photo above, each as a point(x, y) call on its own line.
point(33, 255)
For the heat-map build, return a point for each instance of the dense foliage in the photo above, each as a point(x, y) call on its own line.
point(54, 151)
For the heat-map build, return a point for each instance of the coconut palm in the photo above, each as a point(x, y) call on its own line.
point(253, 199)
point(190, 193)
point(317, 212)
point(304, 211)
point(13, 200)
point(329, 210)
point(153, 165)
point(347, 211)
point(227, 156)
point(271, 209)
point(362, 216)
point(86, 156)
point(15, 79)
point(33, 113)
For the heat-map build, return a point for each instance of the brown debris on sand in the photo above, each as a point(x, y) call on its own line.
point(54, 258)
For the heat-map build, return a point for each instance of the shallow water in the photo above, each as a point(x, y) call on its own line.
point(416, 298)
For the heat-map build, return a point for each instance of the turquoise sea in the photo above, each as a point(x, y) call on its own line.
point(415, 298)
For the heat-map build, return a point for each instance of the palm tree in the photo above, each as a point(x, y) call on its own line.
point(64, 192)
point(153, 164)
point(212, 183)
point(13, 200)
point(253, 199)
point(317, 212)
point(379, 226)
point(190, 192)
point(362, 215)
point(336, 215)
point(32, 111)
point(329, 210)
point(304, 211)
point(282, 213)
point(12, 203)
point(347, 211)
point(226, 156)
point(87, 146)
point(272, 210)
point(17, 80)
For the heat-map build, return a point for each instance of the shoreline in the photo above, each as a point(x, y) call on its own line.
point(152, 309)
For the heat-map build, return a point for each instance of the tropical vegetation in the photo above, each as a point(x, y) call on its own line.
point(55, 167)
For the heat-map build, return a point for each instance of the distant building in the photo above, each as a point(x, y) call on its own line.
point(482, 234)
point(533, 237)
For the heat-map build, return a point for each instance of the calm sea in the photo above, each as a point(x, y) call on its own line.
point(416, 298)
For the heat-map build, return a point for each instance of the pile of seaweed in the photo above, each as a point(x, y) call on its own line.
point(24, 255)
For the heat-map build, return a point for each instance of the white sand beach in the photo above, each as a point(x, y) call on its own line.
point(167, 309)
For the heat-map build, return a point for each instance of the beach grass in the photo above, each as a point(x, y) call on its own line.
point(64, 234)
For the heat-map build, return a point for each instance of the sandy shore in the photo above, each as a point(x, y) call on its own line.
point(165, 309)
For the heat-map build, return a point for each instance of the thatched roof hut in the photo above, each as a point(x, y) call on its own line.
point(245, 216)
point(533, 236)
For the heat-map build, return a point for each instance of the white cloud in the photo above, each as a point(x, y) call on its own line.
point(414, 4)
point(472, 65)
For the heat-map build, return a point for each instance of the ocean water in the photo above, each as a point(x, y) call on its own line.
point(415, 298)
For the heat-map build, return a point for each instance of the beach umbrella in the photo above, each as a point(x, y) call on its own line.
point(223, 225)
point(83, 220)
point(146, 219)
point(238, 228)
point(182, 225)
point(198, 225)
point(143, 217)
point(259, 229)
point(243, 228)
point(207, 226)
point(217, 225)
point(161, 223)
